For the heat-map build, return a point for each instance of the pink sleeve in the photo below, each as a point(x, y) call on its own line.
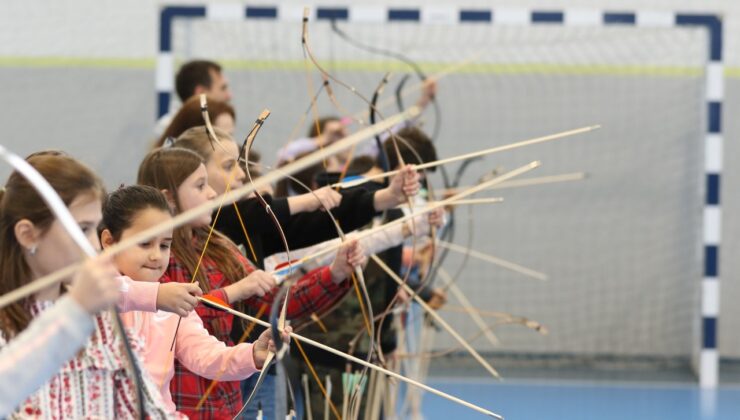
point(137, 295)
point(206, 356)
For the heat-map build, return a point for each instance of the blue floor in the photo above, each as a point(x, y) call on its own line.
point(536, 400)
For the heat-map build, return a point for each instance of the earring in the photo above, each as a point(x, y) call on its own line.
point(32, 251)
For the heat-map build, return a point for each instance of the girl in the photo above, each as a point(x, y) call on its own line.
point(226, 274)
point(56, 335)
point(96, 382)
point(127, 212)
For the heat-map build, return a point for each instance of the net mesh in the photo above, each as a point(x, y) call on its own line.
point(621, 249)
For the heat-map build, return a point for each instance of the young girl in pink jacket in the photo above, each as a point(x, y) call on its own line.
point(131, 210)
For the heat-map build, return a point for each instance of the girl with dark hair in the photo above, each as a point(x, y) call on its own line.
point(127, 212)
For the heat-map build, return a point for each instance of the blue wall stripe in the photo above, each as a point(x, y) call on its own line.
point(611, 18)
point(714, 117)
point(476, 16)
point(713, 190)
point(166, 18)
point(713, 24)
point(404, 14)
point(710, 333)
point(254, 12)
point(711, 260)
point(332, 13)
point(547, 17)
point(163, 103)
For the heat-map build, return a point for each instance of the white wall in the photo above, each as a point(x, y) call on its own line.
point(128, 29)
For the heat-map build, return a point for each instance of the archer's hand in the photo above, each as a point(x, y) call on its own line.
point(438, 299)
point(405, 183)
point(178, 298)
point(421, 225)
point(428, 92)
point(349, 256)
point(257, 283)
point(322, 198)
point(94, 286)
point(264, 345)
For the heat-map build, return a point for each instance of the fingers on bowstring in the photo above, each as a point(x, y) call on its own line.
point(194, 289)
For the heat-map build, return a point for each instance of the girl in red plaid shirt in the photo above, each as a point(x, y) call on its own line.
point(225, 273)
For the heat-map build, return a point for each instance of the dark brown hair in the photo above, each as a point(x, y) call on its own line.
point(361, 164)
point(19, 200)
point(189, 116)
point(307, 176)
point(314, 132)
point(193, 74)
point(167, 169)
point(410, 140)
point(122, 206)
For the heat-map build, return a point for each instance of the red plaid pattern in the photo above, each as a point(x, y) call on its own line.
point(313, 293)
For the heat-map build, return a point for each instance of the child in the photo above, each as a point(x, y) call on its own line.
point(131, 210)
point(96, 382)
point(57, 334)
point(226, 274)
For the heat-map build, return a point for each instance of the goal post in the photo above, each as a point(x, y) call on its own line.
point(580, 27)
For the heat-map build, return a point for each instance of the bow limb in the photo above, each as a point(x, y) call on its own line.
point(327, 75)
point(399, 101)
point(356, 360)
point(358, 278)
point(207, 120)
point(384, 162)
point(393, 136)
point(311, 107)
point(214, 140)
point(449, 231)
point(62, 213)
point(381, 151)
point(432, 236)
point(245, 150)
